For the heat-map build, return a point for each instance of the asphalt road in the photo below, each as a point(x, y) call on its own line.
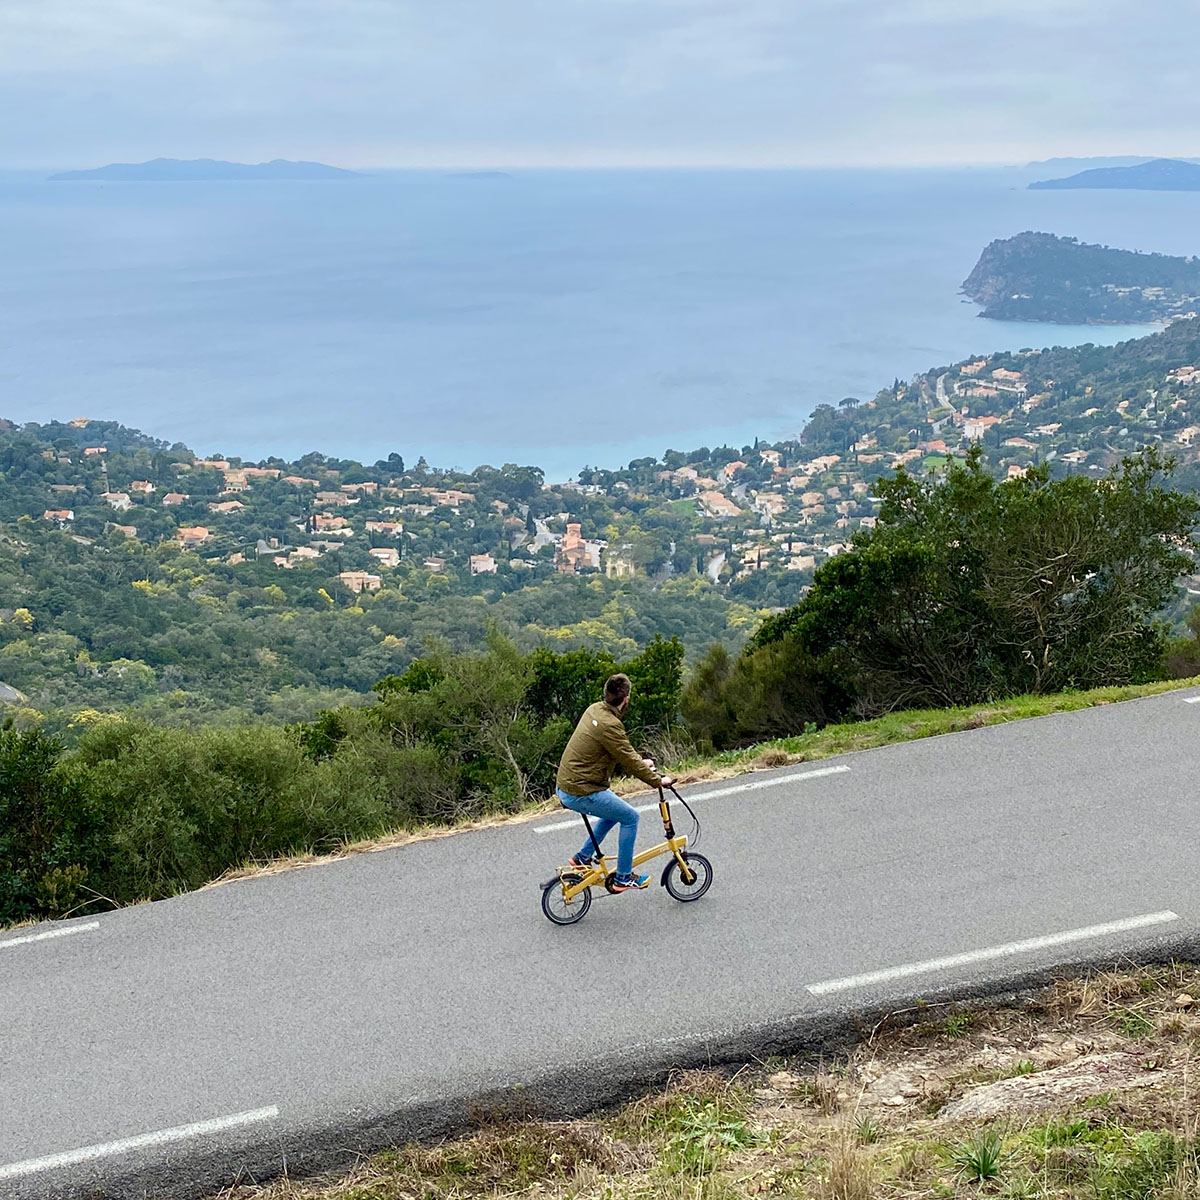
point(306, 1016)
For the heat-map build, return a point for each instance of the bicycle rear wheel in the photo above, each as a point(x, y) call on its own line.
point(702, 874)
point(560, 910)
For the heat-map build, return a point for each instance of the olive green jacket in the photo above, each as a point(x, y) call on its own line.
point(599, 745)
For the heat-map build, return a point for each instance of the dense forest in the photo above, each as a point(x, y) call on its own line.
point(1041, 277)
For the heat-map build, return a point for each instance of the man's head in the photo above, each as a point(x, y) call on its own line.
point(616, 691)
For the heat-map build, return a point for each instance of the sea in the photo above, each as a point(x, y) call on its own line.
point(557, 318)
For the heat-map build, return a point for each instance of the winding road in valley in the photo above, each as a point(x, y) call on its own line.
point(303, 1017)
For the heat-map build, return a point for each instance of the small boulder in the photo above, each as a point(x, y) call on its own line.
point(1059, 1086)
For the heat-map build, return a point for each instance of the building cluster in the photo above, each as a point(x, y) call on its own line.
point(775, 509)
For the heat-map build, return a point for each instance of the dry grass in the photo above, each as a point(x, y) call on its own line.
point(848, 1174)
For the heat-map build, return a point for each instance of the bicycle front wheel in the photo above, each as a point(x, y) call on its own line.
point(559, 909)
point(679, 888)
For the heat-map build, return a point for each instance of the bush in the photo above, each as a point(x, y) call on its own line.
point(182, 807)
point(50, 842)
point(770, 692)
point(499, 721)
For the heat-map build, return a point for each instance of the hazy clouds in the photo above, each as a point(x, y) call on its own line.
point(379, 82)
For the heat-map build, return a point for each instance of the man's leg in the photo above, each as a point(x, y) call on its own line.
point(581, 804)
point(612, 810)
point(600, 830)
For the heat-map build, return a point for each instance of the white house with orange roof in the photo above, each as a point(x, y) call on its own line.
point(975, 427)
point(192, 535)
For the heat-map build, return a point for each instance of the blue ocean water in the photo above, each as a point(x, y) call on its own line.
point(561, 318)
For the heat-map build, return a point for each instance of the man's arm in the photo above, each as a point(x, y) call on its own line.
point(616, 742)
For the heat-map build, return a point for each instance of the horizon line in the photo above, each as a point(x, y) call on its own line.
point(665, 165)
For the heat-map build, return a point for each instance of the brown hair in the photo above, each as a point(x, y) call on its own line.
point(616, 688)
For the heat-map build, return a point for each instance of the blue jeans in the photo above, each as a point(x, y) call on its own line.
point(609, 809)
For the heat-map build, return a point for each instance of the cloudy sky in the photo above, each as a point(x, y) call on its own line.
point(596, 82)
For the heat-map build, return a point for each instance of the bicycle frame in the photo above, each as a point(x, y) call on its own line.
point(599, 875)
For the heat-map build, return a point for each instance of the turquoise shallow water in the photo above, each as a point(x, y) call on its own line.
point(558, 318)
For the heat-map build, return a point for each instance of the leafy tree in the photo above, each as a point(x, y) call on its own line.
point(970, 589)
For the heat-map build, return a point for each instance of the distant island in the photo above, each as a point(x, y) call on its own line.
point(1041, 277)
point(1106, 160)
point(1158, 175)
point(193, 169)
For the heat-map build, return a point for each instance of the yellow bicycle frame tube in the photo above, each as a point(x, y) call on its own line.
point(596, 876)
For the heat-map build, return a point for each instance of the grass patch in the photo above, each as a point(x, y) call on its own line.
point(920, 723)
point(980, 1158)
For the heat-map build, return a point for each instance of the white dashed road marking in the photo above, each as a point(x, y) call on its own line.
point(728, 791)
point(50, 933)
point(142, 1141)
point(889, 974)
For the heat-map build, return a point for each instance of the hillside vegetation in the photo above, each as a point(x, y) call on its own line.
point(1041, 277)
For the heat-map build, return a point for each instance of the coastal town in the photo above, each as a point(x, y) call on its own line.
point(733, 517)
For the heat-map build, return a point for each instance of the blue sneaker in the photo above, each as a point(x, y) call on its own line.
point(583, 862)
point(629, 883)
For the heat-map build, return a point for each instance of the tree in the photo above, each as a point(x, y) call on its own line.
point(970, 589)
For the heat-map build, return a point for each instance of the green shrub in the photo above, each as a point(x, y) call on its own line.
point(980, 1158)
point(181, 807)
point(772, 692)
point(50, 841)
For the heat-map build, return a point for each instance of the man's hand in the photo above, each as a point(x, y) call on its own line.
point(668, 781)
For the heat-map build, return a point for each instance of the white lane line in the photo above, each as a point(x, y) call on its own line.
point(729, 791)
point(50, 933)
point(889, 974)
point(1191, 699)
point(161, 1137)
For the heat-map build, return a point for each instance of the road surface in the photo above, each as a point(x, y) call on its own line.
point(305, 1016)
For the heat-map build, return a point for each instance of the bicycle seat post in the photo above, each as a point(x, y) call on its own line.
point(592, 836)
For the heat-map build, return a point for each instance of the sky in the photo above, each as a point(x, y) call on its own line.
point(479, 83)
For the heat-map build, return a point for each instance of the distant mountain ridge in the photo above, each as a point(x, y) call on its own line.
point(1041, 277)
point(1100, 160)
point(1158, 175)
point(192, 169)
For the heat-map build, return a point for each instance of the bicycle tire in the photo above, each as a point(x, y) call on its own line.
point(685, 893)
point(555, 907)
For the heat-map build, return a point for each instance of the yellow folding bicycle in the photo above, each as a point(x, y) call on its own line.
point(687, 875)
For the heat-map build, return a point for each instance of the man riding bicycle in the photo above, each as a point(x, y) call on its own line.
point(598, 745)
